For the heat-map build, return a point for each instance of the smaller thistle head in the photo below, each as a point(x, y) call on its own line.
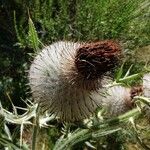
point(93, 60)
point(118, 99)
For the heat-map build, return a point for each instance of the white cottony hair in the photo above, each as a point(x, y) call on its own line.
point(53, 91)
point(55, 85)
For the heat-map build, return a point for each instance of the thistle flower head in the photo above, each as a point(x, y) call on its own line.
point(64, 75)
point(117, 99)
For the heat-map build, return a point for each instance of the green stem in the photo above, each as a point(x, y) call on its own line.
point(35, 130)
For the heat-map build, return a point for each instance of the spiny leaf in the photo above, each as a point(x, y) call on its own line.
point(129, 78)
point(33, 36)
point(128, 71)
point(21, 41)
point(9, 144)
point(119, 74)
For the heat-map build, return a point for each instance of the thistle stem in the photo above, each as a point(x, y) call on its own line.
point(35, 130)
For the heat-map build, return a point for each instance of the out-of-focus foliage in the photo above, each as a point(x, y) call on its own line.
point(126, 21)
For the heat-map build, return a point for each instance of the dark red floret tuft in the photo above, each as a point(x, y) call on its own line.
point(95, 59)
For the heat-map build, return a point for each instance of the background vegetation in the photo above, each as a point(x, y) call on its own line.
point(126, 21)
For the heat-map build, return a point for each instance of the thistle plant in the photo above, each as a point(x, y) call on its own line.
point(52, 20)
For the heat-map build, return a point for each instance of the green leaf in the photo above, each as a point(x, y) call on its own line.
point(100, 133)
point(21, 41)
point(128, 71)
point(33, 36)
point(129, 78)
point(119, 74)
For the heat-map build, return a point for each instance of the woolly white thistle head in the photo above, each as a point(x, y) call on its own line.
point(117, 99)
point(64, 76)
